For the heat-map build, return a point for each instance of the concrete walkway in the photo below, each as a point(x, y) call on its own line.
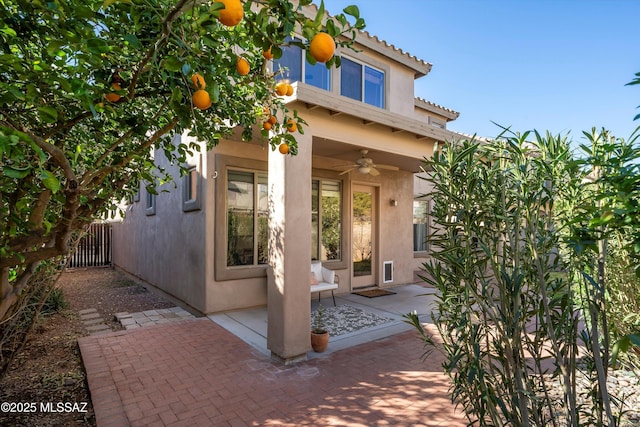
point(152, 317)
point(196, 373)
point(93, 322)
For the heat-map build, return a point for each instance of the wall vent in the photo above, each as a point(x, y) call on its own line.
point(387, 270)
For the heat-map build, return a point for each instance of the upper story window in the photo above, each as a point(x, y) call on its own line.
point(296, 68)
point(362, 83)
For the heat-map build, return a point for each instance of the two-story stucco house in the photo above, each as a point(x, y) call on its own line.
point(245, 210)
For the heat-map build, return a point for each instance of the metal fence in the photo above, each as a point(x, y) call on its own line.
point(94, 249)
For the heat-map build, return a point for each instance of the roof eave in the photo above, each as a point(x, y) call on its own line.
point(313, 97)
point(420, 68)
point(448, 113)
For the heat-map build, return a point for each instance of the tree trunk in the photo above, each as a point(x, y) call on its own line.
point(8, 296)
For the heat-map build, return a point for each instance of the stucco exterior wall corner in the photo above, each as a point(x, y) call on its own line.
point(289, 311)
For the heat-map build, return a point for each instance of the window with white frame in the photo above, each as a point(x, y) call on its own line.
point(420, 225)
point(247, 218)
point(362, 82)
point(191, 190)
point(326, 220)
point(294, 67)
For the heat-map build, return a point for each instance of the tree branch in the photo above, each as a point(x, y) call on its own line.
point(114, 146)
point(59, 157)
point(39, 208)
point(103, 172)
point(30, 257)
point(21, 243)
point(125, 136)
point(56, 153)
point(166, 30)
point(69, 124)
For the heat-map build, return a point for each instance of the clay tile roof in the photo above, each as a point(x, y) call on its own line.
point(447, 112)
point(421, 66)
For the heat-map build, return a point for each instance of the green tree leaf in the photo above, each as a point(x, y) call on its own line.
point(173, 63)
point(352, 10)
point(16, 173)
point(50, 181)
point(48, 114)
point(97, 46)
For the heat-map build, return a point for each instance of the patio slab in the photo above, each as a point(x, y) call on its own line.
point(251, 325)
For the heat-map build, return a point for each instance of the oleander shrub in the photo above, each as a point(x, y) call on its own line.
point(519, 246)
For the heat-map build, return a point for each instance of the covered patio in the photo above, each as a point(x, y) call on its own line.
point(339, 137)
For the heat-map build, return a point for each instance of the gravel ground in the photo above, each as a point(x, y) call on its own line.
point(623, 385)
point(49, 370)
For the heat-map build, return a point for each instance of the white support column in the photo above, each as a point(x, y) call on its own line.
point(289, 308)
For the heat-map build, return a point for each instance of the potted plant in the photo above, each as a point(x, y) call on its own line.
point(319, 334)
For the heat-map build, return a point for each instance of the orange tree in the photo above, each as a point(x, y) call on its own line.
point(89, 87)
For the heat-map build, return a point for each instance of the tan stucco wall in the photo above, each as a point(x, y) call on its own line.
point(396, 226)
point(401, 86)
point(165, 249)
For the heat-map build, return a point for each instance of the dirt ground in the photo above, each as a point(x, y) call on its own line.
point(46, 384)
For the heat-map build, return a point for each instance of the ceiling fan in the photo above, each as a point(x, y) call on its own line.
point(365, 165)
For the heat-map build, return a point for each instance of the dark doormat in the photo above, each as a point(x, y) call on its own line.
point(373, 293)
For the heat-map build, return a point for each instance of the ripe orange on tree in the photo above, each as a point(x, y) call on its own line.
point(242, 66)
point(291, 126)
point(281, 89)
point(112, 96)
point(322, 47)
point(267, 125)
point(273, 120)
point(198, 81)
point(201, 99)
point(232, 13)
point(284, 148)
point(289, 90)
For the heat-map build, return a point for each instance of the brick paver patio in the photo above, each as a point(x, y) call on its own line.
point(196, 373)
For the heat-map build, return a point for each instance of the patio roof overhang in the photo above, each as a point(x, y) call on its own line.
point(338, 153)
point(313, 99)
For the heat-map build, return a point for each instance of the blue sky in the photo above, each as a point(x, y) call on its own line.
point(557, 65)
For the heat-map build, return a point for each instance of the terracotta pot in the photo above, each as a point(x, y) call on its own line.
point(319, 342)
